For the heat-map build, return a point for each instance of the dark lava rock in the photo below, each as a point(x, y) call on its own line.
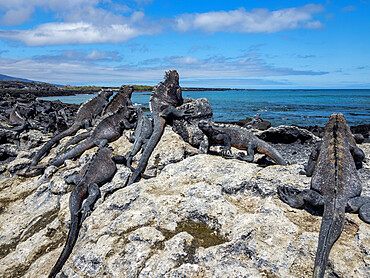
point(287, 135)
point(256, 122)
point(359, 138)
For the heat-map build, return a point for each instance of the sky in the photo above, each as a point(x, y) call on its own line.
point(230, 44)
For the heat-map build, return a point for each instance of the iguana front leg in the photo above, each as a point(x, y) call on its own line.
point(225, 141)
point(312, 160)
point(297, 199)
point(126, 124)
point(174, 112)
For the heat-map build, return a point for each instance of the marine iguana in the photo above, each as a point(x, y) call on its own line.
point(335, 185)
point(108, 130)
point(163, 102)
point(142, 133)
point(122, 98)
point(15, 118)
point(85, 114)
point(100, 171)
point(238, 137)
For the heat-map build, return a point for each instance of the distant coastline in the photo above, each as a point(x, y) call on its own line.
point(40, 89)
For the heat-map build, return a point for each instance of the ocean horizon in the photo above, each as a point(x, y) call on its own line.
point(302, 107)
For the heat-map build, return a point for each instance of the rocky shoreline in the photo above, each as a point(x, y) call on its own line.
point(200, 216)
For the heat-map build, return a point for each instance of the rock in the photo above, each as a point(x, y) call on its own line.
point(256, 123)
point(200, 216)
point(170, 149)
point(287, 134)
point(18, 164)
point(359, 138)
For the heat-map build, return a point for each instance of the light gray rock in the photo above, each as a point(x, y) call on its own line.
point(201, 216)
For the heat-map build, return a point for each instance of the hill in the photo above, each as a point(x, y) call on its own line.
point(11, 78)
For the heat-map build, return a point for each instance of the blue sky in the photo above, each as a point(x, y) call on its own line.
point(236, 44)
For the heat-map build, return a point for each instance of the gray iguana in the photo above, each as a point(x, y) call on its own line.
point(141, 135)
point(100, 171)
point(163, 102)
point(234, 136)
point(15, 117)
point(108, 130)
point(335, 185)
point(85, 114)
point(122, 98)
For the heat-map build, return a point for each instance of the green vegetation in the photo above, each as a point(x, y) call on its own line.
point(82, 88)
point(138, 88)
point(143, 88)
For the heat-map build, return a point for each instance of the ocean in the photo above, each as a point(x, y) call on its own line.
point(288, 107)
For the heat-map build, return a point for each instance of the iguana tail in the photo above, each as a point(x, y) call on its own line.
point(270, 151)
point(159, 124)
point(67, 250)
point(75, 203)
point(135, 149)
point(76, 151)
point(75, 140)
point(331, 228)
point(48, 145)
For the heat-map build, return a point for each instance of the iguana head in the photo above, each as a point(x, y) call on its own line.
point(168, 92)
point(106, 94)
point(204, 125)
point(130, 113)
point(337, 122)
point(126, 90)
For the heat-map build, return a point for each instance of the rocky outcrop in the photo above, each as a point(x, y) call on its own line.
point(40, 89)
point(200, 216)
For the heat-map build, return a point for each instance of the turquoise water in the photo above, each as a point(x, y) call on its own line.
point(300, 107)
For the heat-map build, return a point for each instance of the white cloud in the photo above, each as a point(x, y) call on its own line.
point(17, 16)
point(72, 67)
point(349, 8)
point(184, 60)
point(68, 10)
point(92, 21)
point(76, 33)
point(255, 21)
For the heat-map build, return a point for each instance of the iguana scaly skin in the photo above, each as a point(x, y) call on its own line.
point(108, 130)
point(163, 102)
point(100, 171)
point(15, 118)
point(85, 114)
point(234, 136)
point(122, 98)
point(142, 133)
point(335, 185)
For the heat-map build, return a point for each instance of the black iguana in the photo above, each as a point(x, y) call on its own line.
point(335, 185)
point(100, 171)
point(163, 102)
point(234, 136)
point(108, 130)
point(141, 135)
point(122, 98)
point(85, 114)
